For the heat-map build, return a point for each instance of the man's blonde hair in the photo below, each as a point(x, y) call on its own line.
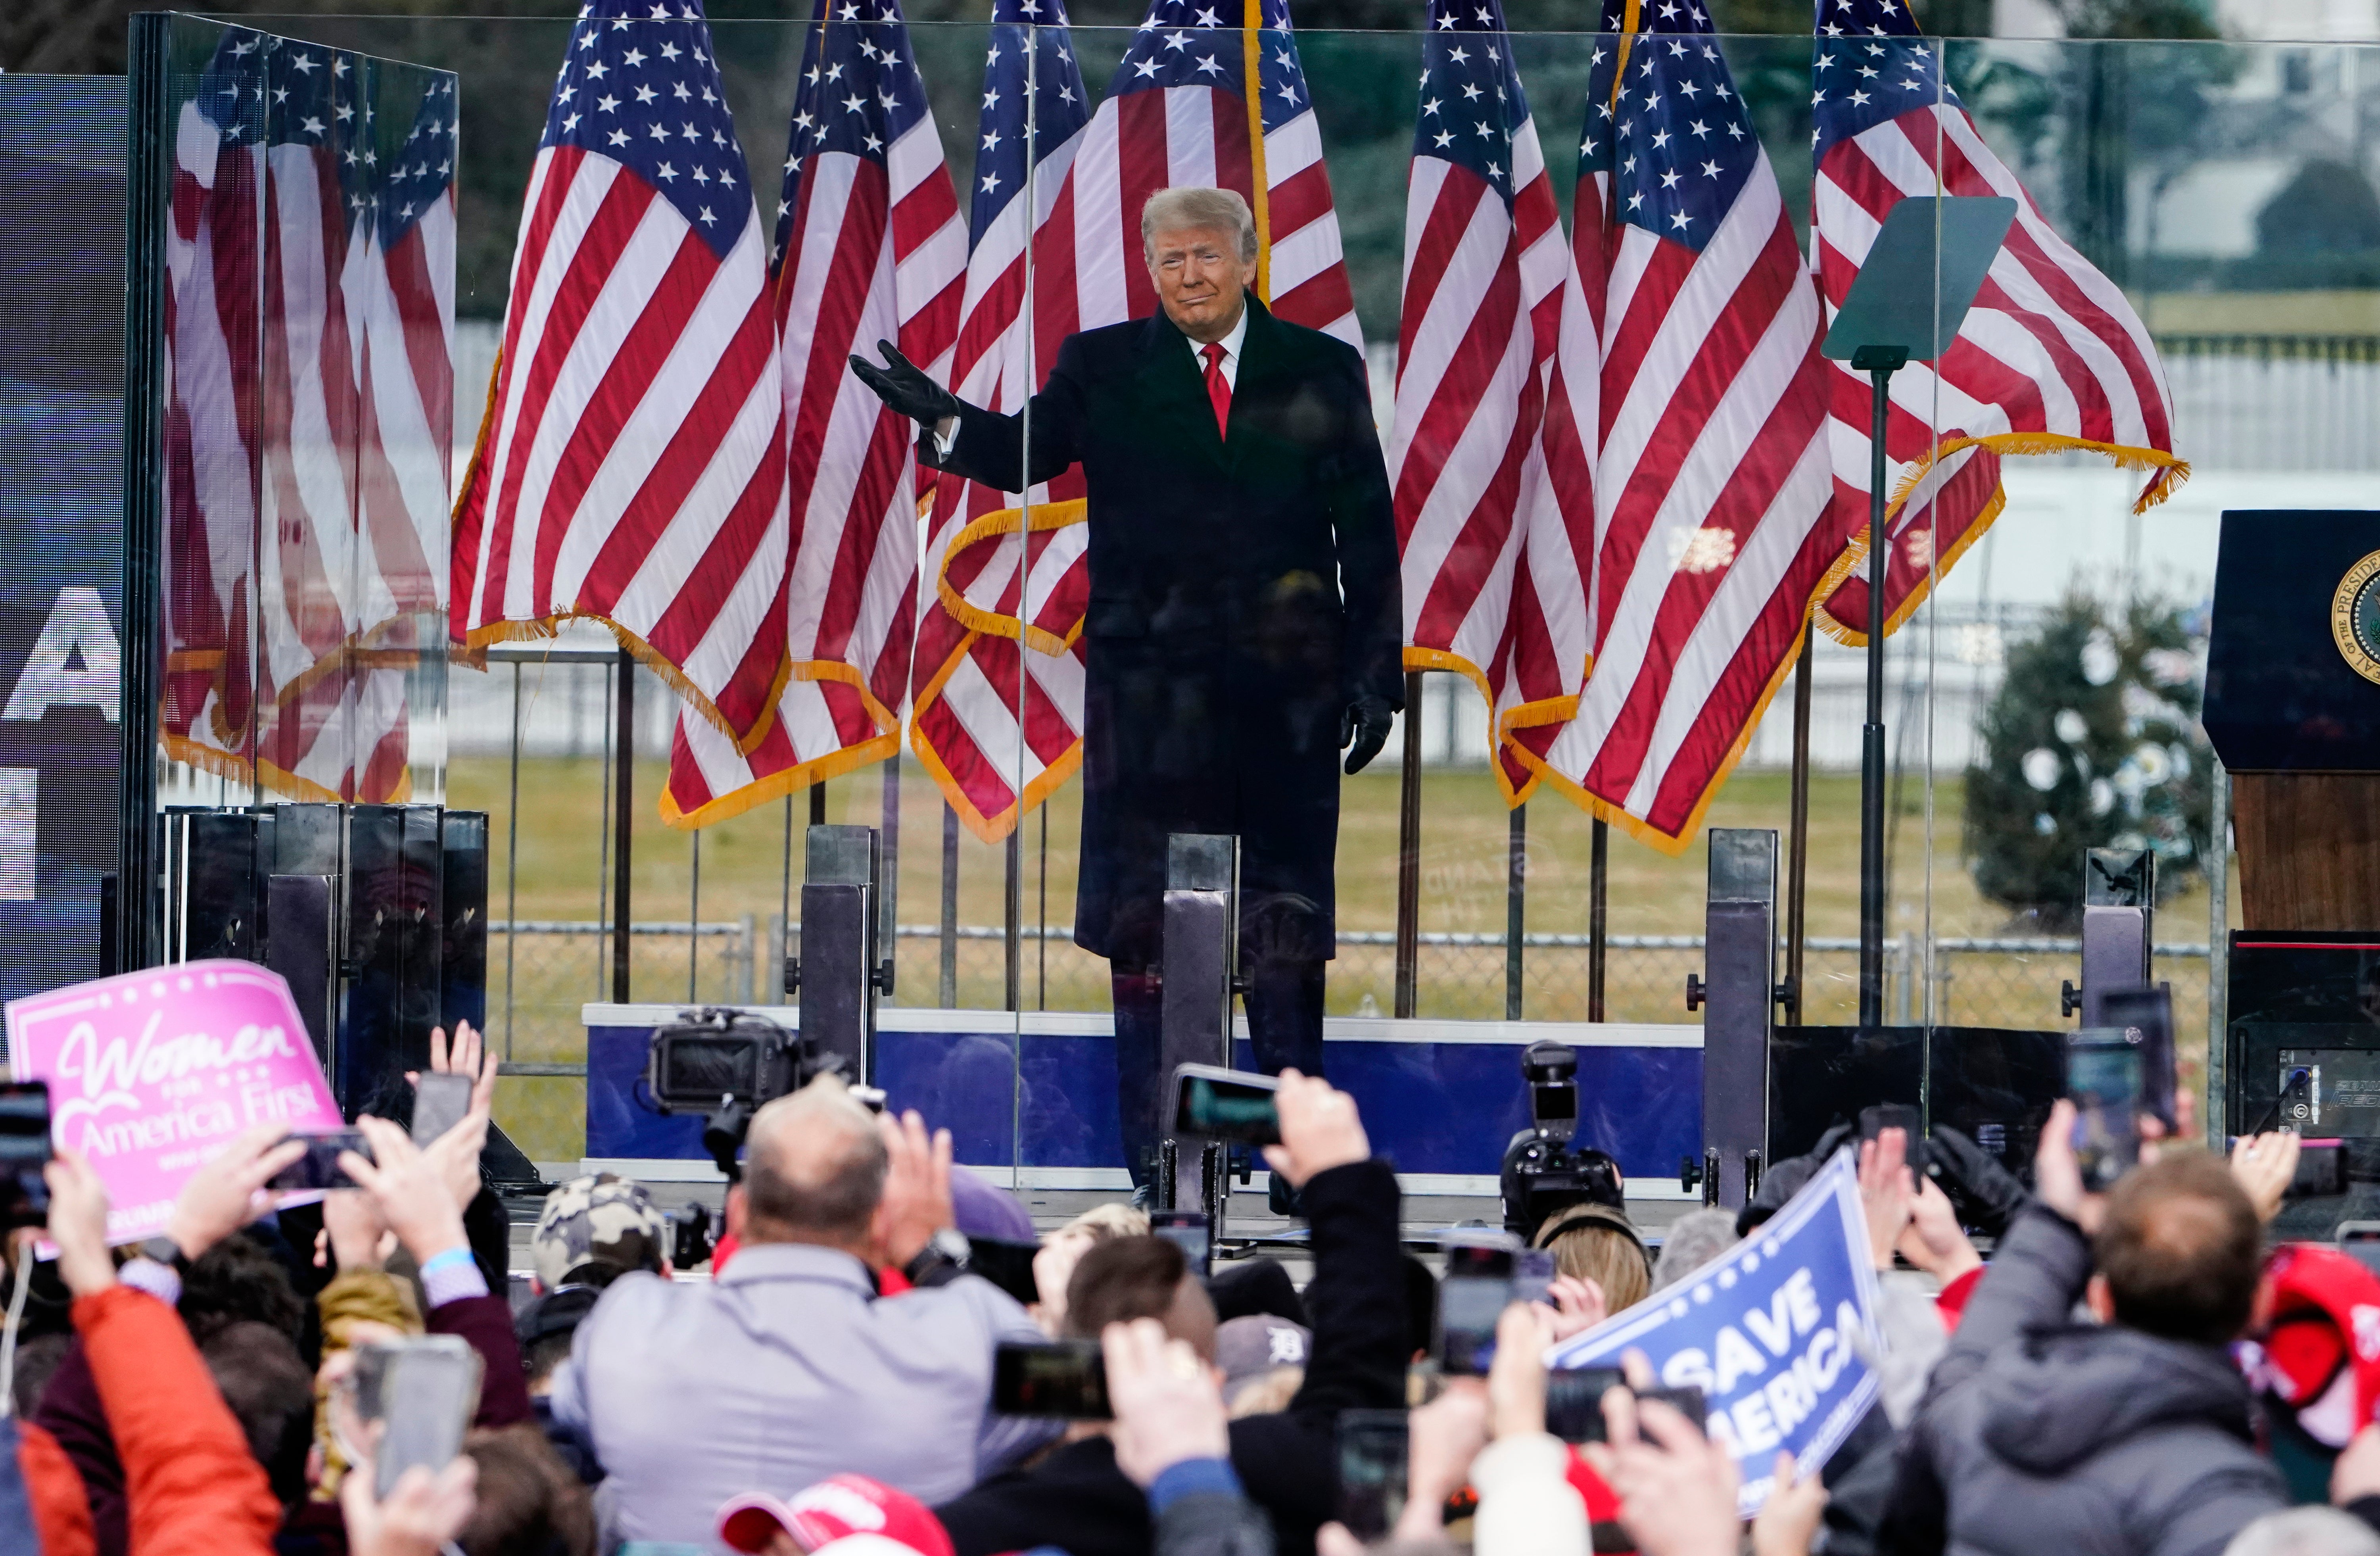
point(1197, 210)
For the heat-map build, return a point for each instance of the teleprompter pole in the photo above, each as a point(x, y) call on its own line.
point(1879, 363)
point(623, 767)
point(1797, 879)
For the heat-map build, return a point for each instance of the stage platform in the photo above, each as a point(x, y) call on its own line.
point(1031, 1104)
point(1031, 1100)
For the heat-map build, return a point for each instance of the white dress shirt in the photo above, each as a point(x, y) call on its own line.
point(1231, 344)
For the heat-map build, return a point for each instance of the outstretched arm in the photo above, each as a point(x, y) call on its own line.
point(982, 445)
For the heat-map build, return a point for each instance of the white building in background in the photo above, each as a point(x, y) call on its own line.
point(2332, 21)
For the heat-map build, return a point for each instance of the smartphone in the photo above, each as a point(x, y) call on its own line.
point(24, 1152)
point(1006, 1265)
point(1575, 1401)
point(1219, 1104)
point(416, 1397)
point(2360, 1240)
point(2147, 1009)
point(1065, 1377)
point(1875, 1121)
point(1472, 1296)
point(2105, 1070)
point(1188, 1231)
point(1533, 1275)
point(2322, 1170)
point(318, 1168)
point(439, 1101)
point(1373, 1454)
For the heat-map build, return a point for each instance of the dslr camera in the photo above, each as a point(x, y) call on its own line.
point(1543, 1172)
point(725, 1064)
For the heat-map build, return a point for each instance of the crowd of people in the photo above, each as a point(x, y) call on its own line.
point(2137, 1371)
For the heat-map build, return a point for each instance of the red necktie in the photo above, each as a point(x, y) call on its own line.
point(1218, 388)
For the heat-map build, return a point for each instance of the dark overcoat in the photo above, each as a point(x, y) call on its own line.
point(1243, 592)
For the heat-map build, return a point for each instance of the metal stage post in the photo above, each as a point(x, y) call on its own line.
point(840, 971)
point(2119, 910)
point(1202, 888)
point(1740, 958)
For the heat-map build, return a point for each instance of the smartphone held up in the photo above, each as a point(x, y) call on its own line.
point(409, 1402)
point(1213, 1103)
point(24, 1153)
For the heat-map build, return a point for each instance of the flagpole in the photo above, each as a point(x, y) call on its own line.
point(1012, 893)
point(1260, 204)
point(624, 768)
point(1408, 952)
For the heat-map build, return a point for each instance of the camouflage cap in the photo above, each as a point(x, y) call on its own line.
point(600, 1219)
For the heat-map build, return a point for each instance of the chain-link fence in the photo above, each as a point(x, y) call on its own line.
point(541, 974)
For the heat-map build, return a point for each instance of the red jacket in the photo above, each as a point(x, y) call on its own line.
point(193, 1487)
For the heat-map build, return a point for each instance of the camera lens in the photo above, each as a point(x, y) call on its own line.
point(704, 1069)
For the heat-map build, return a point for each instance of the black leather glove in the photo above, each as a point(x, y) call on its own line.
point(1365, 723)
point(903, 385)
point(1986, 1194)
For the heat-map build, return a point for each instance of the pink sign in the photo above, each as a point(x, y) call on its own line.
point(152, 1073)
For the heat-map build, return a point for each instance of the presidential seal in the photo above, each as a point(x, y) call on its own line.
point(2355, 618)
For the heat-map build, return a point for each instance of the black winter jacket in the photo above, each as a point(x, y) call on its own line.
point(2040, 1435)
point(1076, 1500)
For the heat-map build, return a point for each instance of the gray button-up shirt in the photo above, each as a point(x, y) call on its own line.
point(787, 1369)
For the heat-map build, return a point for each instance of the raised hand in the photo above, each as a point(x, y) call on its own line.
point(409, 1185)
point(227, 1191)
point(1319, 1129)
point(78, 1223)
point(917, 1201)
point(903, 385)
point(1168, 1407)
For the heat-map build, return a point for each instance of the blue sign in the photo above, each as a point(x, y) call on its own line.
point(1779, 1333)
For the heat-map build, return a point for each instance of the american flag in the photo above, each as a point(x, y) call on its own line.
point(325, 257)
point(214, 254)
point(1495, 407)
point(403, 296)
point(1176, 114)
point(1711, 483)
point(868, 247)
point(967, 725)
point(358, 320)
point(633, 468)
point(2051, 357)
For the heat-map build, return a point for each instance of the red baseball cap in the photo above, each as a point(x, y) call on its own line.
point(851, 1514)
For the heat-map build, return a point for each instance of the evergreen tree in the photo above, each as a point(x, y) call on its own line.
point(2092, 742)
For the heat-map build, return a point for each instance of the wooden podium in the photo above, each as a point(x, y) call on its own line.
point(2309, 848)
point(2293, 709)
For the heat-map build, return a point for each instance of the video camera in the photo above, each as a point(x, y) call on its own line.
point(1543, 1173)
point(725, 1066)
